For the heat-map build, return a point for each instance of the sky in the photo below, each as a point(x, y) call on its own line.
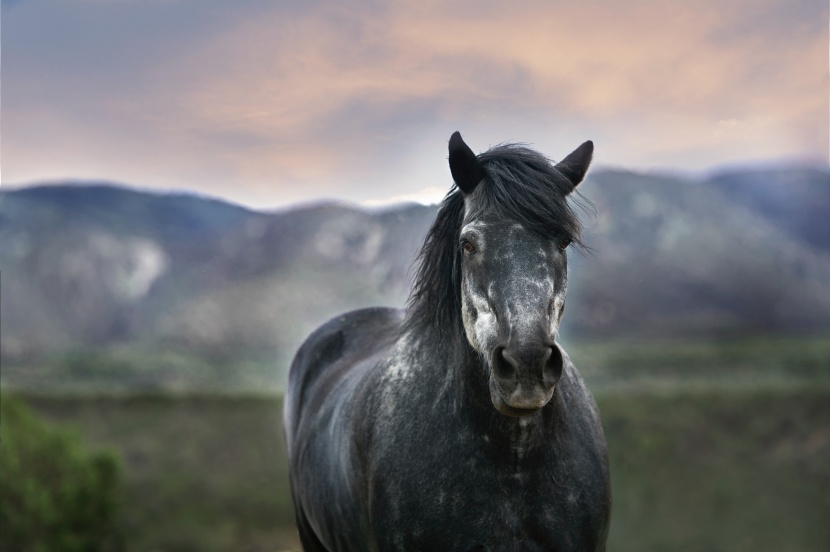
point(269, 104)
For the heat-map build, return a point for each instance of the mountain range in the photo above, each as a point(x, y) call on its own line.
point(97, 265)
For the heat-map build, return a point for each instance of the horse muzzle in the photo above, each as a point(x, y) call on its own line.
point(523, 379)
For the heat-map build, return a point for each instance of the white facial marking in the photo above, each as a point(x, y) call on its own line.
point(529, 290)
point(556, 315)
point(529, 302)
point(472, 226)
point(479, 321)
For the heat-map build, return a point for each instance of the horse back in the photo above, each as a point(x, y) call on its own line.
point(332, 351)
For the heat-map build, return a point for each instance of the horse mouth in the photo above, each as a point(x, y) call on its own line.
point(503, 407)
point(508, 410)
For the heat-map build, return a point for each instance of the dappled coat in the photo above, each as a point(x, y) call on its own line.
point(459, 423)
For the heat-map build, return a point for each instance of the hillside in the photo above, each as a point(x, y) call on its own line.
point(98, 267)
point(95, 266)
point(797, 201)
point(675, 257)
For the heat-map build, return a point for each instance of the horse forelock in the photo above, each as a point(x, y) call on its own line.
point(525, 187)
point(521, 186)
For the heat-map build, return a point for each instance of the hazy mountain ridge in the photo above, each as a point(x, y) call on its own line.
point(97, 265)
point(677, 257)
point(797, 201)
point(92, 266)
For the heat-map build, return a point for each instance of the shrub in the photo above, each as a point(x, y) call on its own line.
point(54, 494)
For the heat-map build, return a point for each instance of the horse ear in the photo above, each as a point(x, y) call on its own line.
point(464, 166)
point(575, 165)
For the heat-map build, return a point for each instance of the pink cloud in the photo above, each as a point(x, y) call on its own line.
point(330, 99)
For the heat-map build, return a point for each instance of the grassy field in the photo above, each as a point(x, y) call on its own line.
point(740, 363)
point(714, 447)
point(202, 473)
point(720, 470)
point(692, 470)
point(605, 364)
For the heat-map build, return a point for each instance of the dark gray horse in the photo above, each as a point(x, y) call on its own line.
point(458, 424)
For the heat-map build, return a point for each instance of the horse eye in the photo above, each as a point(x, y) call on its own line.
point(563, 245)
point(468, 247)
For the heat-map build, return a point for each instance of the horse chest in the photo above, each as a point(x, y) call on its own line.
point(461, 497)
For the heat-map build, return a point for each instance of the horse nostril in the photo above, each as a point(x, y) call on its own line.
point(504, 365)
point(552, 370)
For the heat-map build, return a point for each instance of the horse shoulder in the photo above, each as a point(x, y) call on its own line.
point(323, 391)
point(352, 334)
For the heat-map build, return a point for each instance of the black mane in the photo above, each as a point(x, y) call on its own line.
point(522, 185)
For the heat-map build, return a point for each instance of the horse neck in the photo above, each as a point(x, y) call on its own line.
point(450, 359)
point(459, 374)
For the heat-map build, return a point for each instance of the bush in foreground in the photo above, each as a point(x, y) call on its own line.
point(54, 494)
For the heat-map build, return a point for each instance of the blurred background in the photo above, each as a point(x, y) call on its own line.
point(188, 189)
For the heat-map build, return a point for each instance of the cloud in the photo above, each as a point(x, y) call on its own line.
point(278, 102)
point(431, 195)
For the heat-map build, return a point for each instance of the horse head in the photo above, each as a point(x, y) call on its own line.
point(512, 251)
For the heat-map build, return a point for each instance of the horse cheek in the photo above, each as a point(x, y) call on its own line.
point(468, 316)
point(486, 331)
point(557, 310)
point(480, 324)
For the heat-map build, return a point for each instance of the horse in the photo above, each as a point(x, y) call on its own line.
point(459, 423)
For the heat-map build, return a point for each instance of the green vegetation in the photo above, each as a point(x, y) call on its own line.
point(743, 362)
point(203, 473)
point(127, 370)
point(719, 470)
point(716, 446)
point(56, 496)
point(692, 469)
point(749, 361)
